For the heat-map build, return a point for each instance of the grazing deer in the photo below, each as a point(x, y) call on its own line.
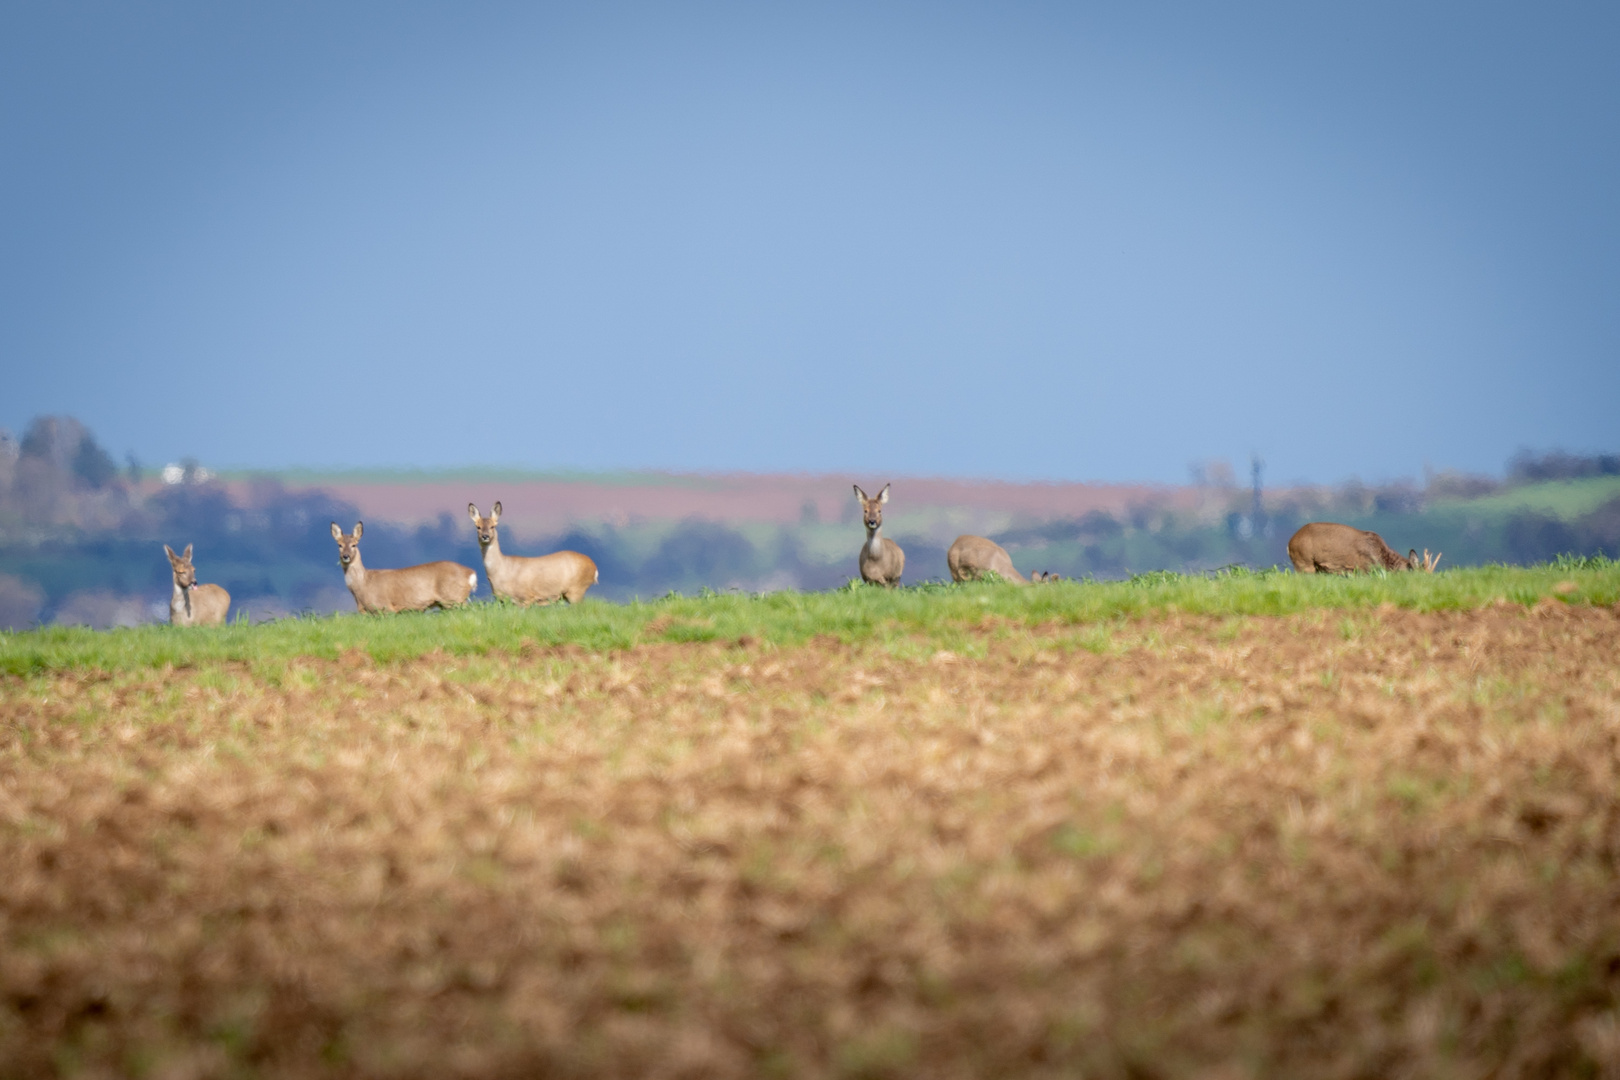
point(971, 557)
point(882, 561)
point(192, 604)
point(415, 588)
point(538, 580)
point(1329, 548)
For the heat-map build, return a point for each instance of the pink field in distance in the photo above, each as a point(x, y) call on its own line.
point(546, 506)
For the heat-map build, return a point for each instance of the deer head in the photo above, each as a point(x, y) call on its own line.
point(348, 543)
point(1427, 563)
point(872, 509)
point(485, 525)
point(185, 575)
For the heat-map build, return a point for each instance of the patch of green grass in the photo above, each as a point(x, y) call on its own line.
point(1566, 499)
point(946, 616)
point(1080, 843)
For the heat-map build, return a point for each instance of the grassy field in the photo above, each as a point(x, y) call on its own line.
point(1566, 499)
point(929, 615)
point(1248, 825)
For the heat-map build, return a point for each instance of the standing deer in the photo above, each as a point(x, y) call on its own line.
point(415, 588)
point(971, 557)
point(1329, 548)
point(538, 580)
point(882, 561)
point(192, 604)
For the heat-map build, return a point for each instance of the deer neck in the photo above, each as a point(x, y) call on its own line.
point(181, 600)
point(493, 558)
point(354, 575)
point(874, 544)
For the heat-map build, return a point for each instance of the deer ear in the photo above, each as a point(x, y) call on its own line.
point(495, 514)
point(859, 494)
point(187, 555)
point(337, 533)
point(472, 512)
point(167, 550)
point(883, 496)
point(359, 527)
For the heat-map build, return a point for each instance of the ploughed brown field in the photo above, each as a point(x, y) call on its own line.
point(1335, 845)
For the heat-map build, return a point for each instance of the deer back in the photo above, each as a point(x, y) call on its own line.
point(209, 605)
point(415, 588)
point(541, 579)
point(971, 557)
point(1330, 548)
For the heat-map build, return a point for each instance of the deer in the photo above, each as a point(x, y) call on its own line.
point(882, 561)
point(192, 604)
point(416, 588)
point(541, 579)
point(1326, 547)
point(971, 557)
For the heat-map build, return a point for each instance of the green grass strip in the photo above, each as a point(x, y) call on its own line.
point(857, 613)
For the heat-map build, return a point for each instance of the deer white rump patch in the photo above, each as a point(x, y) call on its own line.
point(472, 580)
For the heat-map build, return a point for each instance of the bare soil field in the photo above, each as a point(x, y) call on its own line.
point(1335, 844)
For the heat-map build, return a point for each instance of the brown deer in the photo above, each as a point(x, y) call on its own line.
point(882, 561)
point(415, 588)
point(1328, 548)
point(192, 604)
point(538, 580)
point(971, 557)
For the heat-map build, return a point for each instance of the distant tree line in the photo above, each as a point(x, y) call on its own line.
point(1528, 467)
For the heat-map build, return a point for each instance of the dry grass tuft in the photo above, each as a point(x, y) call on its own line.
point(1331, 844)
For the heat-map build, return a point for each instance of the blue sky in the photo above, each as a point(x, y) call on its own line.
point(1018, 240)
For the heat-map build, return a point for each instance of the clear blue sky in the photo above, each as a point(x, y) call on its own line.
point(1000, 239)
